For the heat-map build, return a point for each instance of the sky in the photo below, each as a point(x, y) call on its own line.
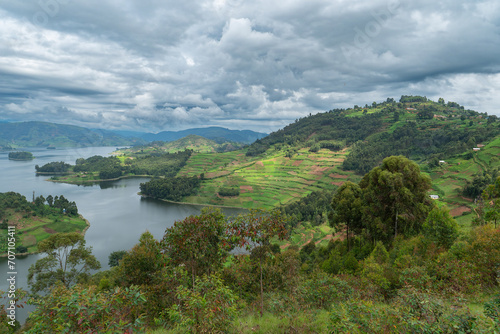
point(155, 65)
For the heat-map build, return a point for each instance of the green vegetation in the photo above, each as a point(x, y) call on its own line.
point(36, 221)
point(98, 168)
point(53, 168)
point(191, 142)
point(404, 266)
point(67, 261)
point(21, 155)
point(172, 189)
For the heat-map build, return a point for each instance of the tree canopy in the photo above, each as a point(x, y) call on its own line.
point(395, 197)
point(67, 261)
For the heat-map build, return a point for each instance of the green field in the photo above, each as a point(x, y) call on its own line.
point(33, 229)
point(265, 181)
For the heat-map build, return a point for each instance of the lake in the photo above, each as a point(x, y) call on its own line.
point(117, 215)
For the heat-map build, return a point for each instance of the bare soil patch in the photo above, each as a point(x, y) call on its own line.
point(245, 189)
point(297, 163)
point(338, 176)
point(328, 237)
point(317, 170)
point(49, 230)
point(212, 175)
point(339, 183)
point(458, 211)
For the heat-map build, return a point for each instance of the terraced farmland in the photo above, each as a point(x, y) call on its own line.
point(265, 181)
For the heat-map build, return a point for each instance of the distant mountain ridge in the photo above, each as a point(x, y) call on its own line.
point(44, 134)
point(217, 134)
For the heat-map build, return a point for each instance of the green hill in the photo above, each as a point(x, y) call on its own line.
point(322, 151)
point(190, 142)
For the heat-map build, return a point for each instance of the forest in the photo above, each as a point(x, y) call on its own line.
point(403, 265)
point(172, 188)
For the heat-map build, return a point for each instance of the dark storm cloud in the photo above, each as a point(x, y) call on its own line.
point(241, 64)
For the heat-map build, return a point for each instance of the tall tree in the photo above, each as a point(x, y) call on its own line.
point(396, 200)
point(199, 242)
point(491, 197)
point(347, 208)
point(255, 230)
point(67, 260)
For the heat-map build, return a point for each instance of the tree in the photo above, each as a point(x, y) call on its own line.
point(347, 209)
point(199, 242)
point(140, 265)
point(67, 261)
point(395, 196)
point(255, 230)
point(440, 227)
point(115, 257)
point(491, 198)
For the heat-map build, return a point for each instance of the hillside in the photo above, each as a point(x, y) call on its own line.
point(190, 142)
point(43, 134)
point(322, 151)
point(217, 134)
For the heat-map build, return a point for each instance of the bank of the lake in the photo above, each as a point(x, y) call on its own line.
point(117, 214)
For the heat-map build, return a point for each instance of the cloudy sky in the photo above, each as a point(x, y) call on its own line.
point(242, 64)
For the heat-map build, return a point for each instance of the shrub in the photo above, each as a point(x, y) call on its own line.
point(87, 310)
point(210, 307)
point(322, 289)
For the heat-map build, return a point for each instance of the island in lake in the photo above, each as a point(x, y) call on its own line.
point(35, 221)
point(21, 156)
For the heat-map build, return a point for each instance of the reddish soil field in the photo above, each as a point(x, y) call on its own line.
point(338, 176)
point(458, 211)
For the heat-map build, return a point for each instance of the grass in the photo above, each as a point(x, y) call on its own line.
point(301, 322)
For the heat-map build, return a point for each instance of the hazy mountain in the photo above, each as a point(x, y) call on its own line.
point(44, 134)
point(217, 134)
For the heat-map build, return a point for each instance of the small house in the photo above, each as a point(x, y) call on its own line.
point(434, 196)
point(476, 149)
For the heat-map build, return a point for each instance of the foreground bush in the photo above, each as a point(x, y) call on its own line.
point(86, 310)
point(410, 312)
point(209, 307)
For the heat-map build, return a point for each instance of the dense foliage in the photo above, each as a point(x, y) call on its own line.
point(229, 192)
point(23, 155)
point(67, 261)
point(326, 129)
point(314, 208)
point(414, 142)
point(172, 189)
point(53, 167)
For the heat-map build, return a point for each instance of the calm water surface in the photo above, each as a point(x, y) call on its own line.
point(118, 216)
